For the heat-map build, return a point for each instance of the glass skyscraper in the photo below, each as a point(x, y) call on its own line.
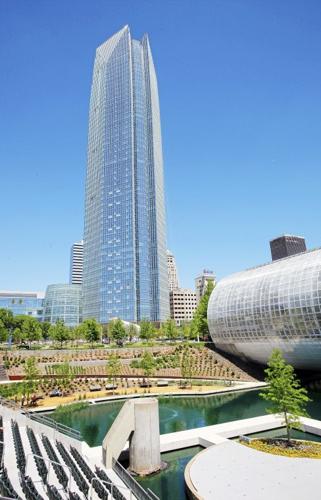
point(125, 264)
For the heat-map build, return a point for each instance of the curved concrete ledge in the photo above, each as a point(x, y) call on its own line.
point(232, 470)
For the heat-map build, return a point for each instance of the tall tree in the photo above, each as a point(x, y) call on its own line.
point(284, 392)
point(199, 322)
point(117, 330)
point(59, 332)
point(113, 367)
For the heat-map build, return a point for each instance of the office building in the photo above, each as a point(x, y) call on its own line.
point(277, 305)
point(63, 302)
point(202, 281)
point(125, 265)
point(287, 245)
point(76, 263)
point(182, 305)
point(172, 272)
point(28, 303)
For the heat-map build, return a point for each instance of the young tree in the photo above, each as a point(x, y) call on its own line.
point(77, 334)
point(147, 330)
point(91, 330)
point(45, 326)
point(59, 332)
point(187, 365)
point(31, 329)
point(284, 391)
point(117, 330)
point(65, 373)
point(170, 329)
point(131, 332)
point(148, 364)
point(113, 367)
point(31, 373)
point(199, 322)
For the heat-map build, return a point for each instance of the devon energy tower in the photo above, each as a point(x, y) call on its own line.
point(125, 264)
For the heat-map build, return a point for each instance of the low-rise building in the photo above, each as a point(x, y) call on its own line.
point(28, 303)
point(182, 305)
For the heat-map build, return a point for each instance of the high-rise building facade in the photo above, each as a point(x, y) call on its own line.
point(202, 281)
point(172, 272)
point(287, 245)
point(125, 265)
point(76, 263)
point(182, 305)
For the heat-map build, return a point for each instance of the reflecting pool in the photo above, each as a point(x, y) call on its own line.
point(170, 483)
point(179, 413)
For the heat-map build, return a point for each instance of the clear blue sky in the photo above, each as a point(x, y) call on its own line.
point(239, 84)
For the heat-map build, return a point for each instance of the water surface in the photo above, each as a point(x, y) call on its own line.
point(179, 413)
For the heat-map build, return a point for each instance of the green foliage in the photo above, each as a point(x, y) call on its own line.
point(113, 366)
point(131, 332)
point(31, 329)
point(148, 364)
point(65, 372)
point(170, 329)
point(32, 374)
point(7, 323)
point(59, 332)
point(199, 324)
point(45, 327)
point(147, 330)
point(117, 330)
point(91, 330)
point(187, 364)
point(284, 392)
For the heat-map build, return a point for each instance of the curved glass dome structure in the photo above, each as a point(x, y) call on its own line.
point(276, 305)
point(63, 302)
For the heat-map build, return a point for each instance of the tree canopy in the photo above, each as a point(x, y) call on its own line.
point(147, 330)
point(199, 322)
point(117, 330)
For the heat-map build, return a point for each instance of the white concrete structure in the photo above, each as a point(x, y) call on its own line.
point(172, 272)
point(202, 281)
point(76, 263)
point(182, 305)
point(230, 470)
point(138, 422)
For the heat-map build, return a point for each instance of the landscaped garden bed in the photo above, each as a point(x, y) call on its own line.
point(296, 448)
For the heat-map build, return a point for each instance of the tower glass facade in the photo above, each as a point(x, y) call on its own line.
point(125, 266)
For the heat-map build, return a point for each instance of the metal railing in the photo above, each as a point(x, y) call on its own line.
point(42, 419)
point(139, 492)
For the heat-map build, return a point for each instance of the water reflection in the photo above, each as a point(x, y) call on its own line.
point(179, 413)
